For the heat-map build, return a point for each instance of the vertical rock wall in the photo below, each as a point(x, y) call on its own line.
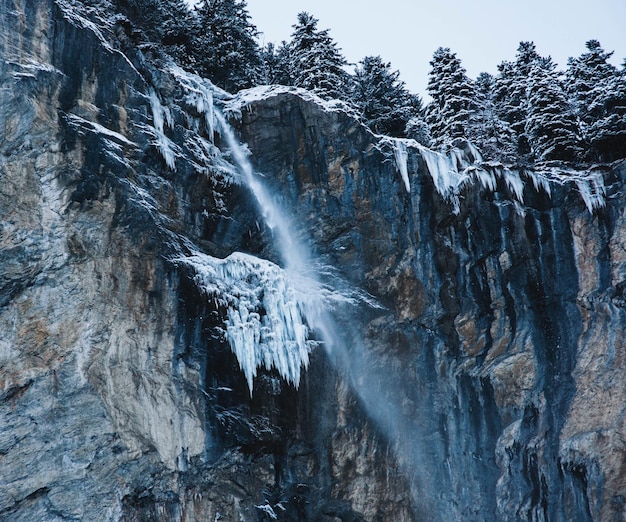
point(502, 333)
point(484, 381)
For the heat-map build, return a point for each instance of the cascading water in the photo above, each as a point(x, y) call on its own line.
point(298, 265)
point(379, 394)
point(293, 255)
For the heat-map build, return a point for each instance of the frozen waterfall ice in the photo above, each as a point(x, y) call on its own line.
point(267, 312)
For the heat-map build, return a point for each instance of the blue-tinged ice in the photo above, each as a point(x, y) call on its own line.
point(592, 191)
point(199, 95)
point(402, 158)
point(540, 182)
point(443, 170)
point(514, 183)
point(268, 311)
point(160, 115)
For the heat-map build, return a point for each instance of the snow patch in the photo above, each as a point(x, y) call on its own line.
point(268, 510)
point(243, 99)
point(30, 68)
point(91, 126)
point(113, 142)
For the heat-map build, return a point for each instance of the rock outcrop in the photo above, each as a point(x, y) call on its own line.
point(481, 371)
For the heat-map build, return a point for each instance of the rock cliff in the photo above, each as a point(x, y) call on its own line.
point(479, 367)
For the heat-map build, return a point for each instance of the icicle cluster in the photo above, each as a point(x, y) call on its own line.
point(267, 311)
point(453, 171)
point(161, 115)
point(402, 158)
point(199, 96)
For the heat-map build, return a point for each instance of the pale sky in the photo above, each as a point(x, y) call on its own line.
point(483, 33)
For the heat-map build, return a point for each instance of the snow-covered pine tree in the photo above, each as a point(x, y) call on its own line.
point(230, 54)
point(276, 64)
point(511, 90)
point(551, 125)
point(453, 105)
point(317, 63)
point(494, 136)
point(608, 135)
point(166, 22)
point(381, 98)
point(598, 91)
point(417, 129)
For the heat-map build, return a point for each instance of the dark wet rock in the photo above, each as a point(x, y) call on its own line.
point(486, 383)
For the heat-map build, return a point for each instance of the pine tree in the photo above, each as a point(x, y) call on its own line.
point(167, 22)
point(598, 91)
point(230, 54)
point(277, 64)
point(607, 135)
point(384, 103)
point(317, 63)
point(551, 125)
point(494, 136)
point(511, 92)
point(453, 107)
point(417, 129)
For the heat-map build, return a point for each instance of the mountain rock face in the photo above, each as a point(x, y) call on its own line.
point(481, 312)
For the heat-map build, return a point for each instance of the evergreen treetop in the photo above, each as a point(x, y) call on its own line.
point(316, 62)
point(551, 125)
point(453, 95)
point(382, 99)
point(231, 55)
point(598, 93)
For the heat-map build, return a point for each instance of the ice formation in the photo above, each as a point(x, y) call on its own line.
point(443, 170)
point(451, 172)
point(199, 95)
point(161, 115)
point(268, 311)
point(273, 314)
point(402, 157)
point(592, 191)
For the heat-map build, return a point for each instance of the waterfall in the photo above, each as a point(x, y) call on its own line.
point(298, 264)
point(293, 254)
point(373, 384)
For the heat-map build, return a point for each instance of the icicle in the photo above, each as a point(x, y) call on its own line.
point(514, 183)
point(477, 156)
point(199, 95)
point(442, 170)
point(268, 311)
point(540, 182)
point(402, 157)
point(592, 191)
point(160, 115)
point(487, 178)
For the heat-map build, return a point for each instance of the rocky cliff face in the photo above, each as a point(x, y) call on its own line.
point(480, 311)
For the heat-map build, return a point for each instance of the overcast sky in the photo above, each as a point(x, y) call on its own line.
point(482, 32)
